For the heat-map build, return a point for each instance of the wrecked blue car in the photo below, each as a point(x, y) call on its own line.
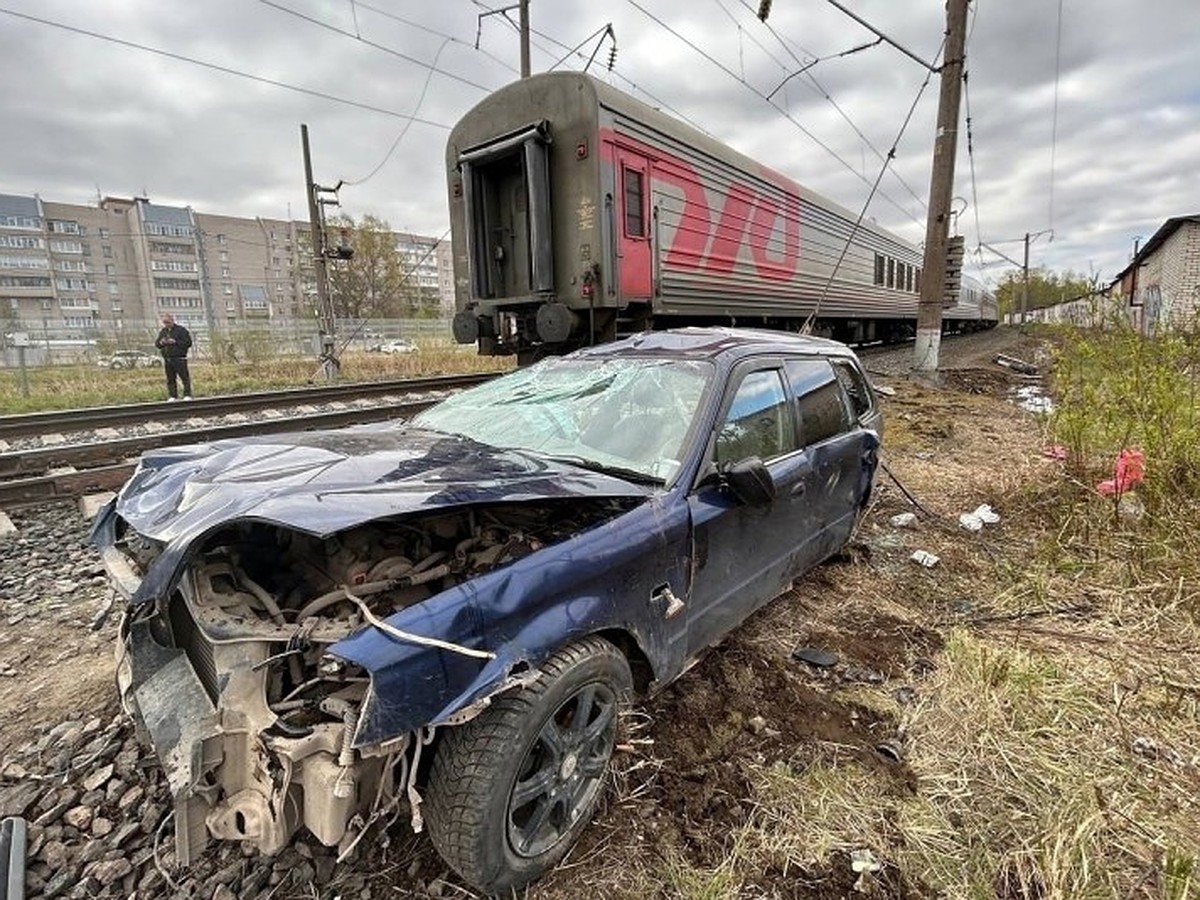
point(445, 615)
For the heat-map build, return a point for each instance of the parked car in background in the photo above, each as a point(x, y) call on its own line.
point(129, 359)
point(397, 345)
point(324, 627)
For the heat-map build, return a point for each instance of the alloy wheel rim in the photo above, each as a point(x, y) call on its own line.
point(562, 771)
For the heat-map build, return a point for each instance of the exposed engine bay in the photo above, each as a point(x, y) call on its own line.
point(253, 720)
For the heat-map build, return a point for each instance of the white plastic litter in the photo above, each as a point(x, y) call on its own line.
point(925, 558)
point(987, 515)
point(980, 516)
point(903, 520)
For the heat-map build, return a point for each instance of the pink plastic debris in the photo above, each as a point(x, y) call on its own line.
point(1055, 451)
point(1127, 474)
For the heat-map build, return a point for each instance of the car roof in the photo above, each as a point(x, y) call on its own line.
point(711, 343)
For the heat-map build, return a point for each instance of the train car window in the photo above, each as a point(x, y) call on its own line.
point(635, 221)
point(822, 408)
point(917, 286)
point(879, 267)
point(758, 422)
point(891, 273)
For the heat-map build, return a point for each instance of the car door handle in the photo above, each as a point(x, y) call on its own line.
point(799, 488)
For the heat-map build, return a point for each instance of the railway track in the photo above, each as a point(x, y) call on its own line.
point(58, 472)
point(57, 421)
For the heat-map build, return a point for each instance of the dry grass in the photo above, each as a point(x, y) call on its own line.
point(66, 387)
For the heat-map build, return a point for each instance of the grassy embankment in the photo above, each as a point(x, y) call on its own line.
point(67, 387)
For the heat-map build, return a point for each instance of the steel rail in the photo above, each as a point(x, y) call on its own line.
point(59, 421)
point(106, 460)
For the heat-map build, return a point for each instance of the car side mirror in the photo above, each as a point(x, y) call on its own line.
point(750, 481)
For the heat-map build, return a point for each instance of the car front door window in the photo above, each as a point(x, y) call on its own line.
point(758, 423)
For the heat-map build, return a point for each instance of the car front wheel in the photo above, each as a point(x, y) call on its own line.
point(511, 790)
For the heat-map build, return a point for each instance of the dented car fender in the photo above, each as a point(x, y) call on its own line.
point(599, 581)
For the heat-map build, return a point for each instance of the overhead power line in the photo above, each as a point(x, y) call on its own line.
point(407, 125)
point(217, 67)
point(812, 137)
point(420, 26)
point(823, 92)
point(377, 46)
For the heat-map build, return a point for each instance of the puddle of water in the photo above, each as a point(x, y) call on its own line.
point(1031, 398)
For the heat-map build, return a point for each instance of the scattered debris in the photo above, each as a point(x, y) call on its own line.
point(978, 517)
point(864, 861)
point(1149, 748)
point(884, 390)
point(904, 520)
point(925, 558)
point(822, 659)
point(1131, 508)
point(756, 724)
point(1128, 472)
point(1017, 365)
point(1031, 399)
point(1055, 451)
point(890, 750)
point(906, 695)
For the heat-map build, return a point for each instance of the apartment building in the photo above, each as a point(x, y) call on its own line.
point(72, 272)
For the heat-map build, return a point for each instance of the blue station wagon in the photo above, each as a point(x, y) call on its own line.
point(446, 614)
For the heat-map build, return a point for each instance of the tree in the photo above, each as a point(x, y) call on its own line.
point(1045, 289)
point(371, 284)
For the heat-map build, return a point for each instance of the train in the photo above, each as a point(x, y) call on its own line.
point(580, 215)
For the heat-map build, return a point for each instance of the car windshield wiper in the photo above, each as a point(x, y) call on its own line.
point(617, 471)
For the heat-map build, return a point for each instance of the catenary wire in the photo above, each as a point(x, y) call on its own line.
point(633, 85)
point(823, 92)
point(816, 140)
point(381, 47)
point(407, 125)
point(262, 79)
point(891, 154)
point(422, 27)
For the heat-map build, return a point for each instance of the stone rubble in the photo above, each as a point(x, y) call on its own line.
point(94, 797)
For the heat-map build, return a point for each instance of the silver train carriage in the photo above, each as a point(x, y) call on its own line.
point(580, 214)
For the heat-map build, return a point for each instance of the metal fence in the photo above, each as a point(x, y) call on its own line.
point(45, 344)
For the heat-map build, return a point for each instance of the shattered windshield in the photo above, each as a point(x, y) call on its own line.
point(630, 417)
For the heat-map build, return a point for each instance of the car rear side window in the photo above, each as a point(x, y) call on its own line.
point(856, 388)
point(758, 423)
point(822, 409)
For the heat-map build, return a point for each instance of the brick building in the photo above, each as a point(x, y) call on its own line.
point(1161, 285)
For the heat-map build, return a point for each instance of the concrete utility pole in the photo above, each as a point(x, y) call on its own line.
point(941, 191)
point(1025, 284)
point(325, 315)
point(524, 21)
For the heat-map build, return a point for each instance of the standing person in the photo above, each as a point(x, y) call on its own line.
point(174, 341)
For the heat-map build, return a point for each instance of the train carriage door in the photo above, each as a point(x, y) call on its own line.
point(634, 275)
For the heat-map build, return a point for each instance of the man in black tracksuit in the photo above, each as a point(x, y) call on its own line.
point(174, 341)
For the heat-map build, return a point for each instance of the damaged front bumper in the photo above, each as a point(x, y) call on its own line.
point(234, 771)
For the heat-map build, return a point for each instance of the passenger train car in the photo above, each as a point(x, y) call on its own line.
point(580, 214)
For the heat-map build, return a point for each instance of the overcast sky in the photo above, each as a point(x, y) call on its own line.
point(83, 115)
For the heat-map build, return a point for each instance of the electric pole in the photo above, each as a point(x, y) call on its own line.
point(941, 191)
point(325, 317)
point(1025, 284)
point(524, 21)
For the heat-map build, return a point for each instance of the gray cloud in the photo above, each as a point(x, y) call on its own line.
point(81, 114)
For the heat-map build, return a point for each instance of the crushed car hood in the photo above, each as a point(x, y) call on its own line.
point(323, 482)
